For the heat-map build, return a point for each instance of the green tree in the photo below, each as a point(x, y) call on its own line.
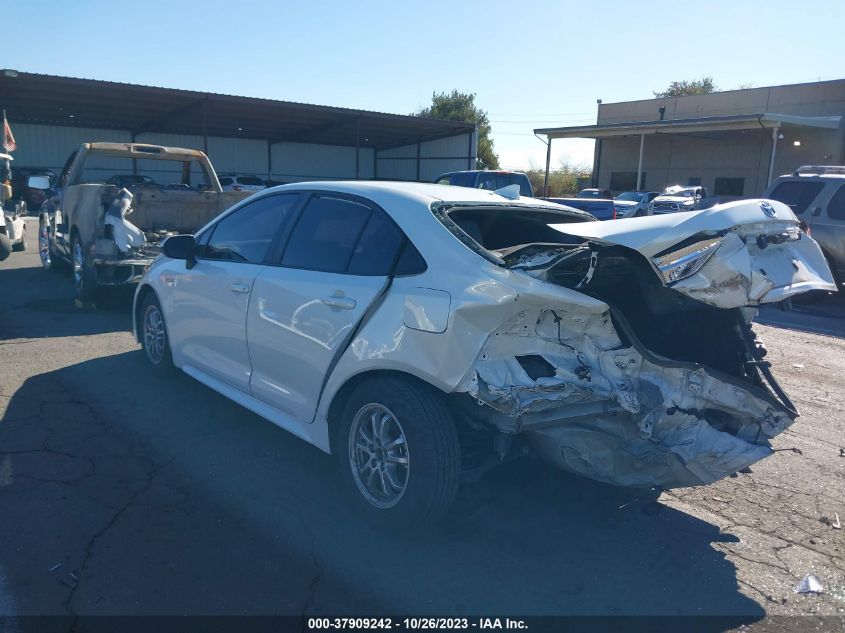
point(460, 106)
point(703, 86)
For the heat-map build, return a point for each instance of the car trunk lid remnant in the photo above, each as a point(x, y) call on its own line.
point(744, 253)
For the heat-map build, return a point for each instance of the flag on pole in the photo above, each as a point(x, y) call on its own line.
point(8, 138)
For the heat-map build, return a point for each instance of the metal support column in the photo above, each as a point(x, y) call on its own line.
point(419, 148)
point(269, 160)
point(548, 162)
point(775, 133)
point(640, 164)
point(205, 126)
point(358, 148)
point(469, 148)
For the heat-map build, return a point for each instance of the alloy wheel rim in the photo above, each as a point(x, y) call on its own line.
point(154, 338)
point(378, 455)
point(78, 263)
point(44, 246)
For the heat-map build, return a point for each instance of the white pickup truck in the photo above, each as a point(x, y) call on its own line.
point(162, 190)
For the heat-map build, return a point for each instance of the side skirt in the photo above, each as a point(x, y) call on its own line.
point(316, 433)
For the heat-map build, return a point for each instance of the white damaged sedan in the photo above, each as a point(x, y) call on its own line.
point(423, 333)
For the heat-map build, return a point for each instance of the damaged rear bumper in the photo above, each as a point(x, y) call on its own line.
point(119, 272)
point(590, 398)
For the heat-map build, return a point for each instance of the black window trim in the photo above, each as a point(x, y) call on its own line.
point(268, 256)
point(308, 195)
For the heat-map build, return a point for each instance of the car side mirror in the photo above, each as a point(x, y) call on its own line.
point(38, 182)
point(181, 247)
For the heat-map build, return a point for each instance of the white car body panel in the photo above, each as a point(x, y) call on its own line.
point(304, 317)
point(610, 410)
point(206, 317)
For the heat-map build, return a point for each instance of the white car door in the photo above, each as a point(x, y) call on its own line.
point(207, 318)
point(335, 265)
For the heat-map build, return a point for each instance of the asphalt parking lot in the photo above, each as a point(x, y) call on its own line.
point(125, 493)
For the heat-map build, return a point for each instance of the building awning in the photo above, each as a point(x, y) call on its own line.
point(68, 101)
point(701, 124)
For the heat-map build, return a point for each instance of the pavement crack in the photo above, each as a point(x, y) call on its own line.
point(312, 587)
point(92, 542)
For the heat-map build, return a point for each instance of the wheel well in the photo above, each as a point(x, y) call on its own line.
point(143, 291)
point(342, 394)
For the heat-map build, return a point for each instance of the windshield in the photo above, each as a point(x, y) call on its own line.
point(632, 196)
point(680, 193)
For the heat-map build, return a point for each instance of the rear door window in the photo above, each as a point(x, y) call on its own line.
point(378, 248)
point(797, 194)
point(326, 234)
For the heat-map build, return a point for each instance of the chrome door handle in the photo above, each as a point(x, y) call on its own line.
point(241, 288)
point(342, 303)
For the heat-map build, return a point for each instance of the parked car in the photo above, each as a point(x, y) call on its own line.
point(12, 225)
point(677, 198)
point(422, 334)
point(85, 226)
point(487, 179)
point(241, 182)
point(31, 197)
point(816, 195)
point(630, 204)
point(599, 208)
point(603, 194)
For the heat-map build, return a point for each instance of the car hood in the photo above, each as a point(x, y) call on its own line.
point(756, 252)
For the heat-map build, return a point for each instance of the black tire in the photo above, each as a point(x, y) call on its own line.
point(5, 246)
point(157, 355)
point(83, 271)
point(639, 213)
point(431, 451)
point(21, 246)
point(50, 260)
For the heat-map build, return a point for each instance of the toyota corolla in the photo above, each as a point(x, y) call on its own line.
point(424, 333)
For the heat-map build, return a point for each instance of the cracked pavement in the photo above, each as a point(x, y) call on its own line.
point(123, 492)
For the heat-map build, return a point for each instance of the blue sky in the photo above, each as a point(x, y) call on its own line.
point(531, 64)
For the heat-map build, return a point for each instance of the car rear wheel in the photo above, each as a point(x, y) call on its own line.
point(154, 340)
point(398, 451)
point(83, 275)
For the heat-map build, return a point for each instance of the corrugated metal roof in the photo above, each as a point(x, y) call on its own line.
point(53, 100)
point(702, 124)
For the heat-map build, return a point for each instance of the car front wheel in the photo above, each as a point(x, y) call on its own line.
point(398, 451)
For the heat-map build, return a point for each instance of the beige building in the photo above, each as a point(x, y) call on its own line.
point(733, 142)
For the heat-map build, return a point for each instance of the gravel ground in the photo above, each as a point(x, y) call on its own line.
point(123, 492)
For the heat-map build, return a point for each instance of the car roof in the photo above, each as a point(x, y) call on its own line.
point(420, 191)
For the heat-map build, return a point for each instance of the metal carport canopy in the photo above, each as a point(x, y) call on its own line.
point(69, 101)
point(677, 126)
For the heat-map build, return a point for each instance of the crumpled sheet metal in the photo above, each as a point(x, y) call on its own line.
point(741, 273)
point(656, 434)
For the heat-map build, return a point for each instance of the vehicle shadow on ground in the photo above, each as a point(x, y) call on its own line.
point(46, 300)
point(163, 497)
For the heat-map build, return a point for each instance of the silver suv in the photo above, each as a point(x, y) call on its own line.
point(816, 195)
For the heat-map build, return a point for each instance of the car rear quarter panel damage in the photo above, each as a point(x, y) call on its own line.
point(593, 403)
